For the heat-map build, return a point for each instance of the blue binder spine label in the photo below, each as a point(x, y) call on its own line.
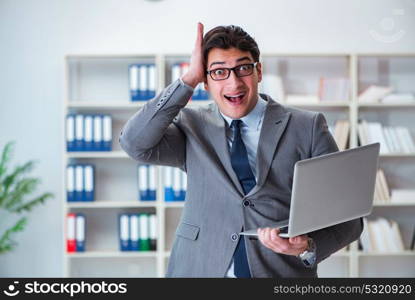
point(89, 183)
point(70, 183)
point(70, 133)
point(152, 76)
point(107, 133)
point(133, 77)
point(80, 228)
point(79, 133)
point(97, 145)
point(168, 184)
point(88, 132)
point(124, 233)
point(79, 182)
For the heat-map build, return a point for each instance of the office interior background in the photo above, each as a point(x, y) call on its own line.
point(75, 57)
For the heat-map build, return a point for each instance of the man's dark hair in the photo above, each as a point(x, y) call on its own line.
point(225, 37)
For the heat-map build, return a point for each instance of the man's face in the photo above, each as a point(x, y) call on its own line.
point(235, 96)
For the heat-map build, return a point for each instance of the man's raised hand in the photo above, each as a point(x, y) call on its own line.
point(196, 72)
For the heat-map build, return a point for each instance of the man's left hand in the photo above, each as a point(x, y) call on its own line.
point(290, 246)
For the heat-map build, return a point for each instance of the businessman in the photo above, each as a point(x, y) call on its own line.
point(239, 155)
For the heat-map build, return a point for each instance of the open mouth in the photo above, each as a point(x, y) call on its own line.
point(235, 99)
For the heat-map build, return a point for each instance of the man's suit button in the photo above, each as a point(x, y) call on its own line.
point(234, 237)
point(247, 203)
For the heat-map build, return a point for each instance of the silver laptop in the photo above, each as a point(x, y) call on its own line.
point(330, 189)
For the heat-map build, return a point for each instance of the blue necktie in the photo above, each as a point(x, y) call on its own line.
point(240, 164)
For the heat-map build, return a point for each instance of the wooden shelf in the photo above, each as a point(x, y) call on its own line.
point(376, 254)
point(319, 104)
point(122, 105)
point(117, 105)
point(386, 105)
point(398, 155)
point(174, 204)
point(112, 254)
point(103, 154)
point(111, 204)
point(394, 204)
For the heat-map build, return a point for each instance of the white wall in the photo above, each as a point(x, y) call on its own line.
point(36, 34)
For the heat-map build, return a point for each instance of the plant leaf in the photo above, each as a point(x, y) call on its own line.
point(29, 205)
point(5, 157)
point(21, 188)
point(6, 242)
point(9, 180)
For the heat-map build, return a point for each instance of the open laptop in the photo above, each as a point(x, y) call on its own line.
point(330, 189)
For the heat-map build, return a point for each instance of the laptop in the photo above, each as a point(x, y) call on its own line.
point(330, 189)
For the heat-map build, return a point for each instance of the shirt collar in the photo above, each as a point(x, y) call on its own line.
point(253, 119)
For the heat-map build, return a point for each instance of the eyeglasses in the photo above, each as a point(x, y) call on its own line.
point(224, 73)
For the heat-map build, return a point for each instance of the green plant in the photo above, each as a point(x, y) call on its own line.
point(15, 187)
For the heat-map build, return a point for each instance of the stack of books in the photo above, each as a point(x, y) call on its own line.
point(328, 90)
point(381, 235)
point(80, 182)
point(88, 132)
point(146, 179)
point(334, 89)
point(402, 196)
point(138, 232)
point(383, 94)
point(142, 81)
point(341, 133)
point(392, 139)
point(175, 184)
point(382, 194)
point(385, 195)
point(75, 232)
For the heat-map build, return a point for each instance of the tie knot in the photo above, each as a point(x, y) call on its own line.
point(236, 124)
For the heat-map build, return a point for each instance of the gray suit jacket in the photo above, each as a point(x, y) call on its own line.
point(165, 132)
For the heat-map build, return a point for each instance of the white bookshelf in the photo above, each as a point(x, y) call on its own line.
point(111, 204)
point(99, 83)
point(112, 254)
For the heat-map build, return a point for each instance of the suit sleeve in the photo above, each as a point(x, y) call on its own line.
point(334, 238)
point(152, 134)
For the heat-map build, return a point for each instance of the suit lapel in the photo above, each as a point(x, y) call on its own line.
point(273, 126)
point(217, 132)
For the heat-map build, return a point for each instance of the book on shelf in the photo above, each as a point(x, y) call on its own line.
point(146, 179)
point(301, 99)
point(75, 232)
point(381, 235)
point(334, 89)
point(382, 193)
point(374, 94)
point(392, 139)
point(341, 133)
point(137, 231)
point(175, 184)
point(142, 79)
point(178, 70)
point(272, 85)
point(80, 182)
point(88, 132)
point(402, 196)
point(402, 98)
point(328, 90)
